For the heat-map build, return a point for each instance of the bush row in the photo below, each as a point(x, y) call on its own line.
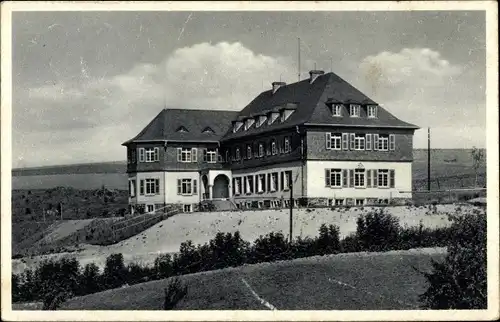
point(376, 231)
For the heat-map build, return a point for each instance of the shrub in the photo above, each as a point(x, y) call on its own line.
point(53, 300)
point(138, 274)
point(115, 272)
point(328, 241)
point(350, 244)
point(163, 266)
point(271, 247)
point(90, 280)
point(460, 282)
point(377, 231)
point(174, 292)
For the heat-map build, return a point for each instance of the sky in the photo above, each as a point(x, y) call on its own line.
point(85, 82)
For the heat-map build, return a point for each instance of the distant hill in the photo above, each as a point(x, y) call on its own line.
point(444, 163)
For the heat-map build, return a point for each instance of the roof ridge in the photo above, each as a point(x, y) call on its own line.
point(197, 109)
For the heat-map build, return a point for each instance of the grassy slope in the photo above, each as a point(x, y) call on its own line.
point(166, 236)
point(374, 281)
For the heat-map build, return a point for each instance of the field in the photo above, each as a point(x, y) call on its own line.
point(451, 167)
point(358, 281)
point(166, 236)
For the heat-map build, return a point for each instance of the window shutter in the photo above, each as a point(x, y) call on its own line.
point(282, 180)
point(268, 182)
point(205, 155)
point(392, 178)
point(194, 154)
point(195, 187)
point(141, 154)
point(179, 154)
point(141, 187)
point(327, 177)
point(351, 178)
point(375, 178)
point(368, 141)
point(368, 178)
point(328, 141)
point(345, 141)
point(375, 142)
point(234, 186)
point(392, 142)
point(157, 154)
point(157, 186)
point(245, 190)
point(351, 139)
point(345, 178)
point(179, 186)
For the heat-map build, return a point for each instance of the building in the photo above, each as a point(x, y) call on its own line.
point(333, 143)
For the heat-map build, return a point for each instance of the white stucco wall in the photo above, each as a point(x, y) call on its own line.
point(316, 180)
point(171, 187)
point(154, 199)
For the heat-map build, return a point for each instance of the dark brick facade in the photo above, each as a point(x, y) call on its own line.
point(316, 145)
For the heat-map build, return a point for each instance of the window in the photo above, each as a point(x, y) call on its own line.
point(249, 151)
point(150, 187)
point(286, 114)
point(187, 186)
point(345, 141)
point(152, 154)
point(368, 141)
point(339, 202)
point(359, 141)
point(187, 154)
point(237, 154)
point(285, 180)
point(150, 208)
point(287, 144)
point(181, 129)
point(210, 155)
point(261, 150)
point(273, 118)
point(248, 123)
point(392, 142)
point(333, 178)
point(261, 183)
point(131, 187)
point(372, 111)
point(262, 120)
point(132, 155)
point(237, 186)
point(207, 130)
point(337, 110)
point(360, 202)
point(273, 147)
point(383, 142)
point(359, 178)
point(354, 110)
point(186, 208)
point(249, 184)
point(335, 141)
point(383, 178)
point(274, 181)
point(237, 126)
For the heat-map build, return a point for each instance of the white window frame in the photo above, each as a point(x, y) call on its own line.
point(335, 141)
point(184, 155)
point(383, 142)
point(359, 178)
point(186, 187)
point(336, 178)
point(286, 180)
point(187, 208)
point(383, 174)
point(150, 187)
point(261, 150)
point(249, 184)
point(338, 202)
point(274, 181)
point(237, 186)
point(261, 183)
point(355, 110)
point(274, 150)
point(337, 110)
point(359, 142)
point(249, 151)
point(272, 117)
point(237, 155)
point(132, 188)
point(211, 155)
point(142, 155)
point(360, 200)
point(248, 123)
point(148, 206)
point(371, 111)
point(237, 126)
point(287, 144)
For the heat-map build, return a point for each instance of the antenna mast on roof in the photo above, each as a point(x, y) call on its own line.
point(331, 65)
point(299, 59)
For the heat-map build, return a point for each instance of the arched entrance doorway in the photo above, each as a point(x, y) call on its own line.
point(221, 187)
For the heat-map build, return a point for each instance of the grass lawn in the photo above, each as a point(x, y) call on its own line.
point(361, 281)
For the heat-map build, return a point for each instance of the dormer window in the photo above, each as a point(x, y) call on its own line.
point(248, 123)
point(237, 126)
point(261, 120)
point(207, 130)
point(355, 110)
point(337, 110)
point(372, 110)
point(273, 116)
point(285, 114)
point(182, 129)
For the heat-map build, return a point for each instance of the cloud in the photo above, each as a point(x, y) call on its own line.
point(420, 86)
point(87, 119)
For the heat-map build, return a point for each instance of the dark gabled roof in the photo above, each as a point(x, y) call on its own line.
point(165, 125)
point(311, 104)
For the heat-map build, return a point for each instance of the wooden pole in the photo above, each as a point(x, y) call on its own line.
point(428, 159)
point(291, 207)
point(298, 72)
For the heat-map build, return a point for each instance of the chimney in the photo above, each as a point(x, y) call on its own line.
point(313, 74)
point(277, 85)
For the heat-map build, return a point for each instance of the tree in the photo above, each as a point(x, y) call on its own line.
point(477, 158)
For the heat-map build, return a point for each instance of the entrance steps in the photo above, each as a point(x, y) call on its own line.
point(218, 205)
